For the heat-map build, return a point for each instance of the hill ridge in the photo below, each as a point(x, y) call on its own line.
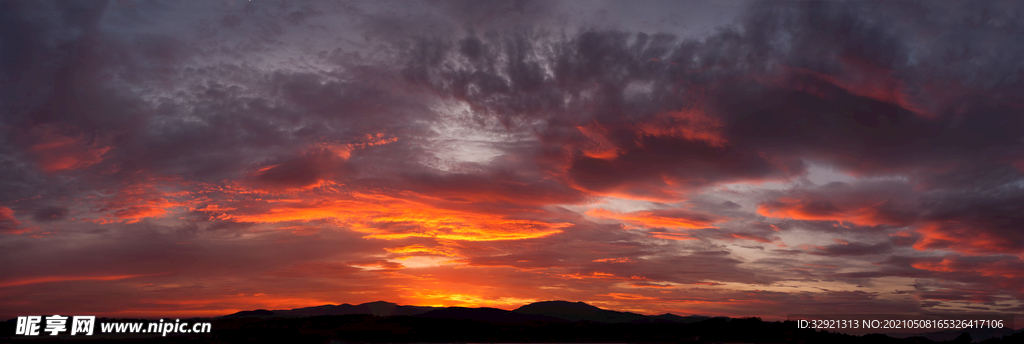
point(551, 310)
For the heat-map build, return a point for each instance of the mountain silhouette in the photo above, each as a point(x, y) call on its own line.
point(259, 313)
point(578, 311)
point(541, 322)
point(551, 311)
point(376, 308)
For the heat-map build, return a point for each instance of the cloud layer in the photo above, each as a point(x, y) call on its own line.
point(718, 158)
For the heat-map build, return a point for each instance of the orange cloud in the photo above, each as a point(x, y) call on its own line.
point(614, 260)
point(469, 298)
point(655, 285)
point(673, 218)
point(49, 279)
point(344, 151)
point(138, 201)
point(440, 251)
point(386, 217)
point(592, 275)
point(599, 146)
point(671, 236)
point(622, 296)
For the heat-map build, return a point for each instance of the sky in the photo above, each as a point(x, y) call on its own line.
point(736, 158)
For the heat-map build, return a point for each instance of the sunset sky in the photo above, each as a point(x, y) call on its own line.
point(198, 158)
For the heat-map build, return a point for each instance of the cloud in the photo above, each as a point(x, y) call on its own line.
point(383, 216)
point(667, 218)
point(49, 279)
point(865, 204)
point(978, 223)
point(57, 152)
point(852, 249)
point(7, 220)
point(50, 214)
point(487, 153)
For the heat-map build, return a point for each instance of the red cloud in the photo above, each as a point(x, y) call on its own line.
point(690, 124)
point(58, 150)
point(598, 146)
point(7, 220)
point(814, 208)
point(982, 273)
point(863, 78)
point(964, 237)
point(758, 238)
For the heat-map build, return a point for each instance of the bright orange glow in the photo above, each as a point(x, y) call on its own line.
point(467, 299)
point(671, 236)
point(592, 275)
point(652, 285)
point(441, 251)
point(614, 260)
point(385, 217)
point(652, 193)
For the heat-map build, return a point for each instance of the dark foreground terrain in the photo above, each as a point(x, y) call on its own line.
point(544, 322)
